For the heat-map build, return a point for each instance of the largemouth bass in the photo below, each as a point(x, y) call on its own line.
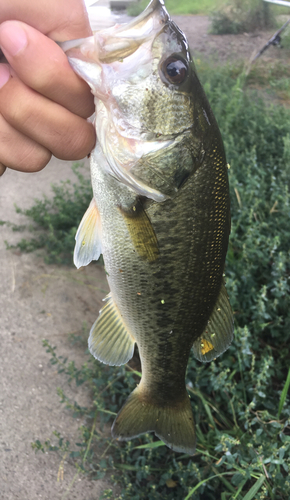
point(160, 216)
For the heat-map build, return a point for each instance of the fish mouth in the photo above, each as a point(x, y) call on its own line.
point(112, 55)
point(120, 41)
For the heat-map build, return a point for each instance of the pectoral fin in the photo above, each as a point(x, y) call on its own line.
point(218, 333)
point(88, 238)
point(109, 340)
point(141, 231)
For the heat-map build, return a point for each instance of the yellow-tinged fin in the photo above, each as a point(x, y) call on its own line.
point(218, 334)
point(141, 231)
point(173, 424)
point(88, 238)
point(109, 340)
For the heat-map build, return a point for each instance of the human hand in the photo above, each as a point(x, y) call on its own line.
point(43, 103)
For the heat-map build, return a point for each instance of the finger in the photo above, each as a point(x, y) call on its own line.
point(60, 20)
point(2, 169)
point(43, 66)
point(65, 134)
point(20, 152)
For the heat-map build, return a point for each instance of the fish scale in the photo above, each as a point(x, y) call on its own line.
point(160, 216)
point(184, 282)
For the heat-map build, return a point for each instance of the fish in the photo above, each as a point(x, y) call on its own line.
point(160, 216)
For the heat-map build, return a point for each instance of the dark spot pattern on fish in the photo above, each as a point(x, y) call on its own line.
point(158, 138)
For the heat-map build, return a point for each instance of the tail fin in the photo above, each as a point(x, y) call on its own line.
point(173, 424)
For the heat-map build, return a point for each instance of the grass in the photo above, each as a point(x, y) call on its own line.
point(234, 16)
point(241, 400)
point(201, 7)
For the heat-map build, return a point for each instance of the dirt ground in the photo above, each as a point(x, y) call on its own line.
point(45, 301)
point(226, 48)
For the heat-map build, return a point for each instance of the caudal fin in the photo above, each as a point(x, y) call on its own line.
point(173, 424)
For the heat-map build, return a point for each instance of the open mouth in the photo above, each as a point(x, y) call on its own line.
point(119, 41)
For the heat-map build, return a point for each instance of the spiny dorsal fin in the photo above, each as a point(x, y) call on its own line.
point(109, 340)
point(88, 238)
point(141, 231)
point(218, 334)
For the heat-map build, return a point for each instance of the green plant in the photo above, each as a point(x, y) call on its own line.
point(55, 220)
point(238, 16)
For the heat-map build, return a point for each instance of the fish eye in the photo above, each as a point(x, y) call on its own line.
point(175, 70)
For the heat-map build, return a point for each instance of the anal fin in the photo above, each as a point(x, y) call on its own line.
point(88, 238)
point(218, 333)
point(109, 340)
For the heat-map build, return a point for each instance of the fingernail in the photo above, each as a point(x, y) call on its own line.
point(4, 75)
point(12, 37)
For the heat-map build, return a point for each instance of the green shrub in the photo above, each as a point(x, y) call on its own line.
point(55, 220)
point(239, 16)
point(135, 8)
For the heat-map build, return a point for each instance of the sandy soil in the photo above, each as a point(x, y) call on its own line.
point(41, 301)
